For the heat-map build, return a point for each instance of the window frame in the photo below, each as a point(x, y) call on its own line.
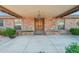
point(3, 23)
point(63, 26)
point(18, 25)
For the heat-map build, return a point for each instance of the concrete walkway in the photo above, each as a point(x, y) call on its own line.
point(38, 43)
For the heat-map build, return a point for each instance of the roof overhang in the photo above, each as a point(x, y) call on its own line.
point(3, 9)
point(76, 8)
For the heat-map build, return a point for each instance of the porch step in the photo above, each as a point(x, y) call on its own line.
point(39, 33)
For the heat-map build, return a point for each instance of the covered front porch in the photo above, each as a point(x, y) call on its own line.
point(46, 20)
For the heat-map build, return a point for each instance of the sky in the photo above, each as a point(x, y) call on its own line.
point(75, 13)
point(3, 14)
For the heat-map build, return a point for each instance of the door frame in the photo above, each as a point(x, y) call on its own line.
point(43, 23)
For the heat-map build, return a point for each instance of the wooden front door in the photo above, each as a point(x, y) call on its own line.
point(39, 25)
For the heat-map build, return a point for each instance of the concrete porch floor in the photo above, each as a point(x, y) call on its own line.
point(38, 43)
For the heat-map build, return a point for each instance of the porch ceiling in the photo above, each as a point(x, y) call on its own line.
point(45, 10)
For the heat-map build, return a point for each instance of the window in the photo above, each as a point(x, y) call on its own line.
point(1, 22)
point(77, 23)
point(61, 25)
point(17, 23)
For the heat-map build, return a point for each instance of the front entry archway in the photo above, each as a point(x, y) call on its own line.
point(39, 26)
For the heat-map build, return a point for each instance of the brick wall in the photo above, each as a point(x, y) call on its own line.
point(9, 23)
point(71, 23)
point(51, 23)
point(28, 23)
point(48, 24)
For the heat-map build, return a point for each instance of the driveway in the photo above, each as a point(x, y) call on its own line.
point(38, 43)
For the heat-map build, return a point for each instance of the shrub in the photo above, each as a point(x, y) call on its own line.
point(1, 31)
point(73, 48)
point(74, 31)
point(9, 32)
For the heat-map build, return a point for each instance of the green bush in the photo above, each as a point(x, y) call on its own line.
point(1, 31)
point(9, 32)
point(74, 31)
point(73, 48)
